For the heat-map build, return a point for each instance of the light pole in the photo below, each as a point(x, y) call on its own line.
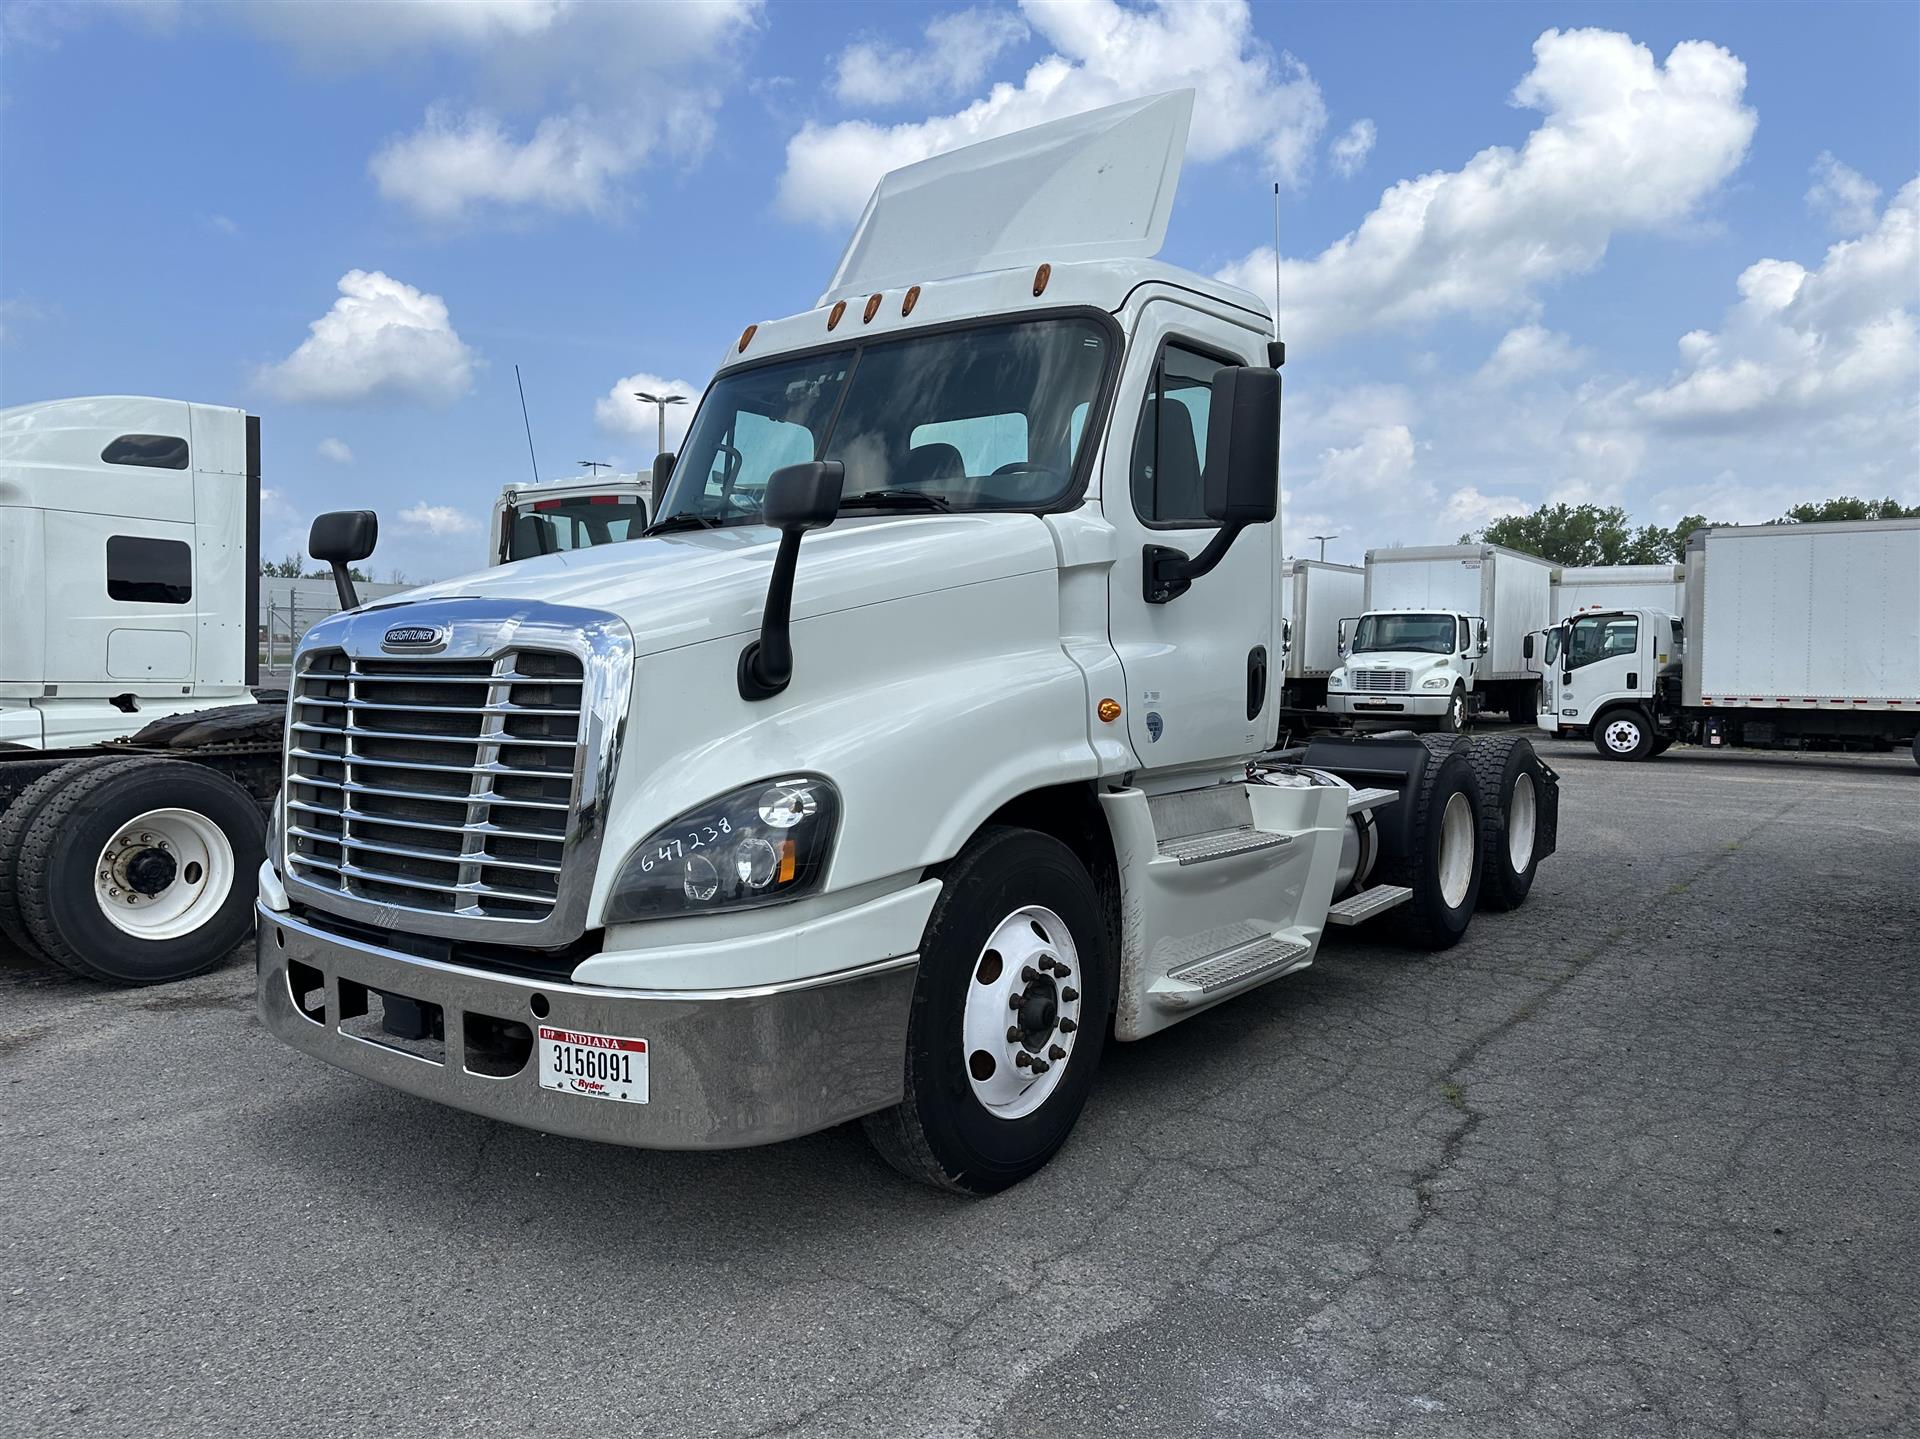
point(594, 467)
point(1323, 542)
point(660, 403)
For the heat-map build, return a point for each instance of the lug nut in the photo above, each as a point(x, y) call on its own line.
point(1014, 1032)
point(1067, 1026)
point(1014, 1001)
point(1030, 974)
point(1069, 994)
point(1040, 1066)
point(1054, 1051)
point(1023, 1059)
point(146, 838)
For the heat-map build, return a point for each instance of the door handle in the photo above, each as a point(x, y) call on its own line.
point(1256, 681)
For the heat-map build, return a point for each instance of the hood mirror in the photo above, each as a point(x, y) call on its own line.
point(798, 498)
point(341, 538)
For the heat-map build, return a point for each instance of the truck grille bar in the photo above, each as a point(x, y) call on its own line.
point(444, 785)
point(1381, 681)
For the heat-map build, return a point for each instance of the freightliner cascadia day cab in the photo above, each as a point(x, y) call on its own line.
point(1443, 636)
point(918, 749)
point(1793, 636)
point(135, 765)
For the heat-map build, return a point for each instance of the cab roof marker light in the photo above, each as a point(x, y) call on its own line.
point(1040, 278)
point(833, 315)
point(746, 338)
point(873, 308)
point(912, 299)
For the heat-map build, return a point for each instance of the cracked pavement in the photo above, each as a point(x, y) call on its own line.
point(1641, 1159)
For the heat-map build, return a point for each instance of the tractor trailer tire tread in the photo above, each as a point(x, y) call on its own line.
point(1499, 763)
point(60, 908)
point(940, 1133)
point(1428, 920)
point(14, 824)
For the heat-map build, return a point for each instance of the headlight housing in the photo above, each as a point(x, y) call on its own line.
point(1337, 680)
point(763, 843)
point(1436, 682)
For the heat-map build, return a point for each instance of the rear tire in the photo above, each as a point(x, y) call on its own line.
point(14, 824)
point(179, 846)
point(971, 1120)
point(1512, 792)
point(1624, 733)
point(1441, 862)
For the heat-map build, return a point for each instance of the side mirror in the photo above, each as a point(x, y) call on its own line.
point(662, 472)
point(1340, 638)
point(799, 498)
point(1241, 483)
point(1480, 637)
point(1286, 638)
point(342, 538)
point(1526, 647)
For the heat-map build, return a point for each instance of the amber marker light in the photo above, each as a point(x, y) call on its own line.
point(873, 308)
point(833, 315)
point(1109, 711)
point(912, 299)
point(746, 337)
point(1040, 278)
point(787, 861)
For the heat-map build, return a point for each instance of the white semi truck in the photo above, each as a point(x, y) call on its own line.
point(135, 765)
point(1315, 597)
point(922, 745)
point(1618, 587)
point(1799, 636)
point(1443, 636)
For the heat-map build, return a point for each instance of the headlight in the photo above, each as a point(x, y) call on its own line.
point(1337, 680)
point(1436, 682)
point(761, 844)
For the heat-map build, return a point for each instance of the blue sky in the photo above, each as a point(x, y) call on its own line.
point(1688, 283)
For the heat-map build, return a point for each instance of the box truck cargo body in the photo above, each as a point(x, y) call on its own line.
point(1801, 636)
point(1314, 597)
point(1618, 587)
point(1400, 661)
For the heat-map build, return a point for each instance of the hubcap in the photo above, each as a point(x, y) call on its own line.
point(1624, 736)
point(1521, 822)
point(1456, 851)
point(1022, 1012)
point(164, 874)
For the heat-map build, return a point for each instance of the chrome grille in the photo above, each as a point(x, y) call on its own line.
point(1381, 681)
point(444, 785)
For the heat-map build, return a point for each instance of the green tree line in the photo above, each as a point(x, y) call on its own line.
point(1603, 535)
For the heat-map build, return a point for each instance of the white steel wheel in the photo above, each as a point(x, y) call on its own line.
point(1022, 1014)
point(1458, 854)
point(1457, 712)
point(1622, 734)
point(1522, 823)
point(164, 874)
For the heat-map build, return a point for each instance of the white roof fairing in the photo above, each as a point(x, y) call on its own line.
point(1096, 186)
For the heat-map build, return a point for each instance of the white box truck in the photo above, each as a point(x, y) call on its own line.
point(1314, 597)
point(922, 744)
point(1443, 636)
point(1618, 587)
point(1799, 636)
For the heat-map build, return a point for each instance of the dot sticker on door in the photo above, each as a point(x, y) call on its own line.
point(1155, 725)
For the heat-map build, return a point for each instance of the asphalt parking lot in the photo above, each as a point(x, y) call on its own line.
point(1643, 1158)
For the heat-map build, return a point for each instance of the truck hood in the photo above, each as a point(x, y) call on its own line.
point(699, 585)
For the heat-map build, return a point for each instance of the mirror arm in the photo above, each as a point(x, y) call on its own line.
point(343, 585)
point(766, 664)
point(1167, 573)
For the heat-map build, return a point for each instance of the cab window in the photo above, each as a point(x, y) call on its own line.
point(1601, 637)
point(1170, 451)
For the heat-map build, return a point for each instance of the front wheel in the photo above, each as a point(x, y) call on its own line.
point(1455, 718)
point(1624, 734)
point(1009, 1017)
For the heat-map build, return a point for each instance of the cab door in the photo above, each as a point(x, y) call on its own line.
point(1200, 668)
point(1604, 659)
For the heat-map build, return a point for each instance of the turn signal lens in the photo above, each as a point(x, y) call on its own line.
point(1109, 711)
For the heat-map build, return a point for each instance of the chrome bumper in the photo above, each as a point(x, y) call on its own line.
point(728, 1067)
point(1384, 704)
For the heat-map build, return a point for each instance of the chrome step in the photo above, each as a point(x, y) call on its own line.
point(1369, 902)
point(1370, 799)
point(1263, 959)
point(1221, 844)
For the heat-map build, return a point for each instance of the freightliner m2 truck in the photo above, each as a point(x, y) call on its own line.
point(1443, 636)
point(1794, 636)
point(921, 746)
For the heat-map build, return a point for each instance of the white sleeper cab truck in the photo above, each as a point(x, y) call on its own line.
point(135, 765)
point(920, 747)
point(1314, 597)
point(1793, 636)
point(1443, 636)
point(555, 516)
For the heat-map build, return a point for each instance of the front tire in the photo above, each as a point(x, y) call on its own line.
point(1455, 718)
point(141, 871)
point(1624, 733)
point(1017, 960)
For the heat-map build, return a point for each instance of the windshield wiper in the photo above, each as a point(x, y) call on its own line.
point(899, 500)
point(687, 520)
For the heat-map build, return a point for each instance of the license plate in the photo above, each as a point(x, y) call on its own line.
point(594, 1066)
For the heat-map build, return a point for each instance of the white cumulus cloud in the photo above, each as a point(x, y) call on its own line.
point(1847, 198)
point(1249, 100)
point(437, 519)
point(454, 163)
point(381, 339)
point(1351, 147)
point(1627, 143)
point(960, 48)
point(1529, 352)
point(336, 450)
point(618, 412)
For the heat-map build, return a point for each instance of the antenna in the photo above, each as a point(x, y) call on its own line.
point(528, 423)
point(1277, 351)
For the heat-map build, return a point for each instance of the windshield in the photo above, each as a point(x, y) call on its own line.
point(545, 527)
point(989, 417)
point(1430, 634)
